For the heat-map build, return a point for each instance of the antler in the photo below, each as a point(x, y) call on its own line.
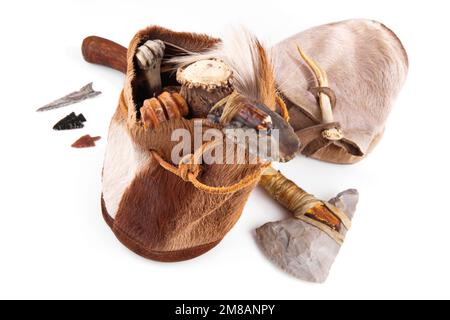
point(325, 101)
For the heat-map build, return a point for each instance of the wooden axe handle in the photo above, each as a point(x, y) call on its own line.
point(105, 52)
point(299, 202)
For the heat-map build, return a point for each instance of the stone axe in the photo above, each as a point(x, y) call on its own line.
point(307, 244)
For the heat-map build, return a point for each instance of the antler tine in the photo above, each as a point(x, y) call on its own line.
point(324, 99)
point(321, 76)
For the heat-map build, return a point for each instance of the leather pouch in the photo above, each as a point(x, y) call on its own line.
point(366, 66)
point(158, 213)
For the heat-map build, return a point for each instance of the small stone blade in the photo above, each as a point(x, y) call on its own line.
point(72, 121)
point(85, 142)
point(301, 249)
point(84, 93)
point(287, 138)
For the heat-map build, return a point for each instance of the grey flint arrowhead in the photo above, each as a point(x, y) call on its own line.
point(300, 248)
point(84, 93)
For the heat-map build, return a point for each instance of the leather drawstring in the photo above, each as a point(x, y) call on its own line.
point(189, 169)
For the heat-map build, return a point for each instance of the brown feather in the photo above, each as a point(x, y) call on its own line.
point(253, 72)
point(266, 79)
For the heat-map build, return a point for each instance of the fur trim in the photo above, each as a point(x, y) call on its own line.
point(177, 43)
point(248, 59)
point(366, 66)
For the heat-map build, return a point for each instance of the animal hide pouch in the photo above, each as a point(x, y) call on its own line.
point(342, 77)
point(164, 210)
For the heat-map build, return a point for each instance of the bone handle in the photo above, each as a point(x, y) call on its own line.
point(105, 52)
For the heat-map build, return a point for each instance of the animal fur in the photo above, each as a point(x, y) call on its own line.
point(366, 66)
point(152, 211)
point(253, 73)
point(120, 168)
point(177, 43)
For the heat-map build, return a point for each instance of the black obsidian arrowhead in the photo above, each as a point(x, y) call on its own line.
point(72, 121)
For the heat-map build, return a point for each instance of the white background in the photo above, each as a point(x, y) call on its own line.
point(53, 241)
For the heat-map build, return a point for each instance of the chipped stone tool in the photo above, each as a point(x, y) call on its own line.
point(84, 93)
point(307, 244)
point(72, 121)
point(85, 141)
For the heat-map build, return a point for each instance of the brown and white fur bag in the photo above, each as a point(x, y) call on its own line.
point(152, 211)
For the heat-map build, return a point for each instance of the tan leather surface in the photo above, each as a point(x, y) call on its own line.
point(366, 66)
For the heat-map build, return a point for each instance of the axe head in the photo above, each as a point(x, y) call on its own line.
point(301, 249)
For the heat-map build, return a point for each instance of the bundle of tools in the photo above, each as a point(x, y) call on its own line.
point(168, 206)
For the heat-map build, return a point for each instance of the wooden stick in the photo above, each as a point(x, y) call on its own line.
point(105, 52)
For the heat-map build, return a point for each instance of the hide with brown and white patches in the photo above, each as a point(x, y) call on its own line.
point(152, 211)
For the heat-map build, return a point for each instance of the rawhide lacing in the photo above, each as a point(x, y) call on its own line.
point(189, 169)
point(301, 203)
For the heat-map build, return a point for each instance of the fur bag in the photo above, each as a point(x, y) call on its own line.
point(366, 66)
point(152, 211)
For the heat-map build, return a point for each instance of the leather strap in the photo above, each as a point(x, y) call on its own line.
point(189, 169)
point(312, 140)
point(316, 91)
point(308, 135)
